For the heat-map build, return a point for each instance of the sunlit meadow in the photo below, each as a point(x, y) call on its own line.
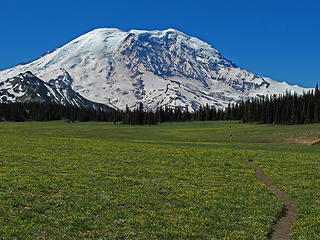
point(63, 180)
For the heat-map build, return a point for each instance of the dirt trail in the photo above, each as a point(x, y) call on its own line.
point(282, 228)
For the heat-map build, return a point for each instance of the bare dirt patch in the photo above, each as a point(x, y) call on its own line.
point(301, 141)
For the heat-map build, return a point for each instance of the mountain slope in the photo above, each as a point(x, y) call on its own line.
point(27, 87)
point(157, 68)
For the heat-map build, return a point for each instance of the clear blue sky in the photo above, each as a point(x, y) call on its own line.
point(274, 38)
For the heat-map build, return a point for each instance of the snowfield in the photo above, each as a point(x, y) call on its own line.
point(157, 68)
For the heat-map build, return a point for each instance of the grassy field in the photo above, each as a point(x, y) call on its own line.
point(170, 181)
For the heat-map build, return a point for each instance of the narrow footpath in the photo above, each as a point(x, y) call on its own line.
point(282, 228)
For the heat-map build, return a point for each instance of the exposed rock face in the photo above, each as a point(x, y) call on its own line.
point(27, 87)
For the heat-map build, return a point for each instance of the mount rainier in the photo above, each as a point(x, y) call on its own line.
point(158, 68)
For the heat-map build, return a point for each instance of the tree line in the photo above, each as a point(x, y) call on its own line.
point(288, 108)
point(37, 111)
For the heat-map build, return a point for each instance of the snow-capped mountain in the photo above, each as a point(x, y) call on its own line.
point(157, 68)
point(27, 87)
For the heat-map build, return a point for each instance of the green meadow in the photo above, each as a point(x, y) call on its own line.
point(93, 180)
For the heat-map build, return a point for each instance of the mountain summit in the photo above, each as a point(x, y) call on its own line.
point(157, 68)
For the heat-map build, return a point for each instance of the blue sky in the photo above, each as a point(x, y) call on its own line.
point(274, 38)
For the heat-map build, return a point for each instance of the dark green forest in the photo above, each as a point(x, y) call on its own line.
point(288, 108)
